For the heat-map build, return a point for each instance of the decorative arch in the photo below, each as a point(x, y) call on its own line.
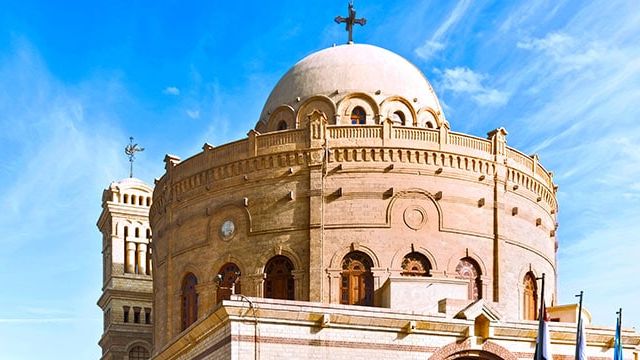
point(281, 113)
point(336, 259)
point(426, 114)
point(455, 258)
point(394, 103)
point(416, 264)
point(283, 250)
point(489, 350)
point(398, 256)
point(321, 103)
point(411, 193)
point(346, 105)
point(138, 343)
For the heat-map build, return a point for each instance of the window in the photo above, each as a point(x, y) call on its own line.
point(429, 125)
point(189, 300)
point(282, 125)
point(229, 281)
point(126, 198)
point(136, 315)
point(358, 116)
point(140, 200)
point(133, 199)
point(125, 317)
point(415, 264)
point(468, 269)
point(148, 201)
point(398, 117)
point(356, 284)
point(137, 232)
point(530, 296)
point(279, 283)
point(138, 353)
point(147, 316)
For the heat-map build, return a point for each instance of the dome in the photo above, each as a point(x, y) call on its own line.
point(352, 68)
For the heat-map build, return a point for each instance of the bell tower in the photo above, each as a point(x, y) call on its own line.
point(127, 286)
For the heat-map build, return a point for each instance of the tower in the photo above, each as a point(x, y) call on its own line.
point(127, 285)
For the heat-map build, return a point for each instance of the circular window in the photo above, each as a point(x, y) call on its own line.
point(227, 230)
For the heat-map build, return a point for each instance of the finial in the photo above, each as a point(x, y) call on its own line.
point(131, 150)
point(350, 21)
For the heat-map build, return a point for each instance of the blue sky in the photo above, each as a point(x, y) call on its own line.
point(76, 80)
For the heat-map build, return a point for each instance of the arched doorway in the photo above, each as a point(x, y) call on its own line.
point(279, 282)
point(356, 283)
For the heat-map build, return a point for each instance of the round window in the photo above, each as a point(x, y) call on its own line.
point(227, 229)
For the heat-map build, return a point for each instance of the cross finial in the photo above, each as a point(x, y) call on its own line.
point(131, 151)
point(350, 21)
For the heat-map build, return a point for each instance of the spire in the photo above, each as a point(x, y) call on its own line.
point(350, 21)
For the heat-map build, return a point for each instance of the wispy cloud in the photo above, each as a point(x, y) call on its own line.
point(466, 81)
point(436, 43)
point(193, 113)
point(171, 90)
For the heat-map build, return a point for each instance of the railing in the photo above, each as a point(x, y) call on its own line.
point(470, 142)
point(415, 134)
point(355, 132)
point(281, 138)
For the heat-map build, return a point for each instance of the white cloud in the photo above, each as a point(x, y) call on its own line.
point(436, 43)
point(465, 80)
point(171, 90)
point(193, 113)
point(566, 51)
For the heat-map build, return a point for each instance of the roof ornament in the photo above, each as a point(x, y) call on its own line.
point(131, 151)
point(350, 21)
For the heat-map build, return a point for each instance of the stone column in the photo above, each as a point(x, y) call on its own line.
point(142, 258)
point(130, 263)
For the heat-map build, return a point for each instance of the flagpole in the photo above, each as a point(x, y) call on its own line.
point(541, 297)
point(579, 333)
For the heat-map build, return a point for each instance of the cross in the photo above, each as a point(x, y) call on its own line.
point(131, 151)
point(350, 21)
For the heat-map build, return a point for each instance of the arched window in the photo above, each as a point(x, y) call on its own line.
point(429, 125)
point(137, 232)
point(356, 284)
point(125, 198)
point(358, 116)
point(228, 281)
point(415, 264)
point(530, 296)
point(133, 199)
point(469, 270)
point(138, 353)
point(278, 283)
point(282, 125)
point(148, 201)
point(398, 117)
point(140, 200)
point(189, 301)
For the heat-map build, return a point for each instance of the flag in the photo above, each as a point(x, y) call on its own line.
point(617, 342)
point(581, 346)
point(543, 341)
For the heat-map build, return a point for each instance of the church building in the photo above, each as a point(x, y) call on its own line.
point(351, 223)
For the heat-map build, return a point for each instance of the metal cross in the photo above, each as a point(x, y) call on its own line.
point(350, 21)
point(131, 151)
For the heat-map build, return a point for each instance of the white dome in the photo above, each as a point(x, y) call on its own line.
point(352, 68)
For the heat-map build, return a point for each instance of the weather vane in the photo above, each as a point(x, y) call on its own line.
point(350, 21)
point(131, 151)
